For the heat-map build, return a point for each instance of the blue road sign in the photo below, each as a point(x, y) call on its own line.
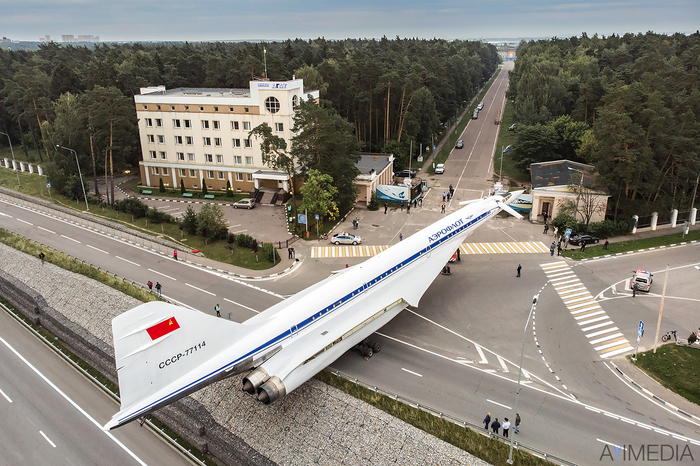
point(302, 219)
point(567, 234)
point(48, 185)
point(317, 217)
point(640, 331)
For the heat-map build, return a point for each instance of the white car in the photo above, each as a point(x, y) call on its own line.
point(480, 106)
point(245, 204)
point(345, 238)
point(440, 169)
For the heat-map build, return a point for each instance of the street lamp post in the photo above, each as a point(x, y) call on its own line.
point(79, 173)
point(520, 371)
point(13, 159)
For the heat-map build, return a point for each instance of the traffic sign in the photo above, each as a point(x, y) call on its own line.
point(302, 219)
point(640, 331)
point(567, 234)
point(48, 185)
point(317, 217)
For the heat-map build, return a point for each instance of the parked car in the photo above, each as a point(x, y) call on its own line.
point(345, 238)
point(508, 148)
point(643, 279)
point(459, 144)
point(405, 173)
point(512, 127)
point(475, 115)
point(576, 240)
point(481, 105)
point(245, 204)
point(440, 169)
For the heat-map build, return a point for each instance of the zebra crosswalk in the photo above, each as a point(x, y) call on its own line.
point(606, 338)
point(515, 247)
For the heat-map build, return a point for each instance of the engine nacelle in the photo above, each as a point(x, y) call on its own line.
point(271, 390)
point(252, 381)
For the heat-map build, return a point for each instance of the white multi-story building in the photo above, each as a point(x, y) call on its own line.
point(201, 135)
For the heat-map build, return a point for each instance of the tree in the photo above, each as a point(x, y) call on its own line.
point(211, 222)
point(589, 200)
point(189, 221)
point(229, 191)
point(205, 191)
point(536, 143)
point(182, 186)
point(319, 192)
point(161, 185)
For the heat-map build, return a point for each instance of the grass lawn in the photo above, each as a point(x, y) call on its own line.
point(630, 245)
point(35, 185)
point(490, 450)
point(674, 367)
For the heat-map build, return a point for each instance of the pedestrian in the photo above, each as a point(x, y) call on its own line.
point(635, 287)
point(487, 421)
point(175, 254)
point(408, 208)
point(459, 255)
point(217, 309)
point(583, 245)
point(294, 253)
point(444, 196)
point(506, 426)
point(401, 206)
point(386, 207)
point(443, 209)
point(347, 266)
point(150, 286)
point(605, 244)
point(520, 267)
point(551, 249)
point(452, 191)
point(420, 202)
point(158, 289)
point(559, 249)
point(41, 257)
point(448, 197)
point(556, 231)
point(545, 216)
point(400, 236)
point(289, 253)
point(546, 228)
point(517, 423)
point(495, 425)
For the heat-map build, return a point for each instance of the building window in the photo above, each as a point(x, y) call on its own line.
point(238, 159)
point(236, 143)
point(158, 107)
point(205, 124)
point(188, 123)
point(219, 158)
point(159, 122)
point(217, 124)
point(272, 104)
point(172, 107)
point(189, 140)
point(187, 107)
point(149, 122)
point(165, 171)
point(151, 138)
point(210, 173)
point(249, 176)
point(207, 141)
point(279, 127)
point(209, 158)
point(295, 101)
point(152, 153)
point(249, 160)
point(201, 109)
point(161, 139)
point(193, 174)
point(145, 107)
point(178, 139)
point(245, 110)
point(246, 125)
point(216, 109)
point(230, 109)
point(154, 170)
point(181, 156)
point(217, 142)
point(248, 143)
point(183, 173)
point(221, 175)
point(163, 155)
point(176, 123)
point(239, 176)
point(234, 125)
point(190, 157)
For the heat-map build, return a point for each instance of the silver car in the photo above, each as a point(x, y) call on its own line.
point(245, 204)
point(345, 238)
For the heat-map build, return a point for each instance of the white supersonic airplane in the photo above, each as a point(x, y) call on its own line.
point(164, 352)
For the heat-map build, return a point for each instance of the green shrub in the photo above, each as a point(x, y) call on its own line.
point(270, 253)
point(244, 240)
point(161, 186)
point(204, 187)
point(229, 191)
point(156, 216)
point(189, 221)
point(608, 228)
point(131, 206)
point(182, 187)
point(373, 202)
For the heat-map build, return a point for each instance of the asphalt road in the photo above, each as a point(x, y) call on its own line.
point(51, 414)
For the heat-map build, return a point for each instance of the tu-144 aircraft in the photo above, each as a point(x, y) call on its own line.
point(164, 352)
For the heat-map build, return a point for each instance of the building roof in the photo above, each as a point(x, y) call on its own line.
point(560, 173)
point(373, 163)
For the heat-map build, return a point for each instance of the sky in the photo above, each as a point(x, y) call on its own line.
point(211, 20)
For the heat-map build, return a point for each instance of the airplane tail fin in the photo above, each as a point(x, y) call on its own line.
point(156, 347)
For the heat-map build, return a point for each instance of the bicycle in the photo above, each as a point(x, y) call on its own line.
point(668, 335)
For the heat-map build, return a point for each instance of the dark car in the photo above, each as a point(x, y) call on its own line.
point(405, 173)
point(576, 240)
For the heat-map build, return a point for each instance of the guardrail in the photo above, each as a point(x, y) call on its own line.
point(455, 420)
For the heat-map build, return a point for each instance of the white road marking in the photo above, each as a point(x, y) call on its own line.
point(160, 273)
point(96, 249)
point(242, 305)
point(503, 364)
point(199, 289)
point(73, 403)
point(6, 397)
point(42, 228)
point(24, 221)
point(47, 439)
point(411, 372)
point(126, 260)
point(611, 444)
point(497, 403)
point(610, 322)
point(481, 355)
point(5, 215)
point(68, 237)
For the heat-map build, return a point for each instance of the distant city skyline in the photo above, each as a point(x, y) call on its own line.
point(210, 20)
